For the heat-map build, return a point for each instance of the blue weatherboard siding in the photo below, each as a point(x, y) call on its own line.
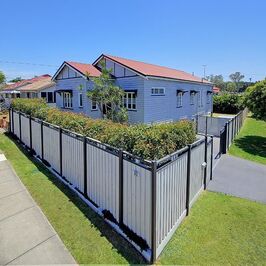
point(150, 108)
point(164, 108)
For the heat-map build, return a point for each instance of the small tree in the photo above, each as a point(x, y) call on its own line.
point(2, 78)
point(17, 79)
point(255, 99)
point(231, 87)
point(236, 78)
point(108, 97)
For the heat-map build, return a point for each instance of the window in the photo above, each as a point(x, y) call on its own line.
point(67, 100)
point(28, 95)
point(80, 100)
point(93, 105)
point(192, 98)
point(208, 97)
point(200, 99)
point(43, 95)
point(157, 91)
point(50, 98)
point(130, 100)
point(179, 99)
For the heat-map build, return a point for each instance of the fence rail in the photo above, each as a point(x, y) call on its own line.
point(146, 199)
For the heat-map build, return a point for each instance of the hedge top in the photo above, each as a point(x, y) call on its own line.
point(148, 142)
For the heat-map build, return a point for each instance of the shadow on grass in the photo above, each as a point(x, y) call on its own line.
point(119, 243)
point(255, 145)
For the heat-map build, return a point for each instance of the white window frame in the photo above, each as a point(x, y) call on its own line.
point(67, 100)
point(200, 104)
point(80, 100)
point(208, 97)
point(192, 98)
point(94, 106)
point(157, 91)
point(179, 98)
point(129, 101)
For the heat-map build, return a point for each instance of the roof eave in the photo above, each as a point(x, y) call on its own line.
point(181, 80)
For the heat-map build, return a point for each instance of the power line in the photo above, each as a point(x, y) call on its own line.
point(26, 63)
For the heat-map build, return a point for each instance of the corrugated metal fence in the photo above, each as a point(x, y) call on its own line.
point(146, 199)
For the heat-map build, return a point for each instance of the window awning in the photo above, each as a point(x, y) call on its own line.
point(135, 91)
point(209, 92)
point(180, 91)
point(62, 90)
point(193, 91)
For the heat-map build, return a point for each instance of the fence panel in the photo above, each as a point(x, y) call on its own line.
point(214, 125)
point(137, 199)
point(171, 199)
point(16, 124)
point(36, 137)
point(73, 159)
point(25, 130)
point(51, 151)
point(209, 161)
point(197, 170)
point(103, 179)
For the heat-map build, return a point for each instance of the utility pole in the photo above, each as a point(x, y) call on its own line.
point(204, 71)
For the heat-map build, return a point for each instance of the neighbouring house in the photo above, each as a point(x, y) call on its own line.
point(152, 93)
point(216, 90)
point(37, 87)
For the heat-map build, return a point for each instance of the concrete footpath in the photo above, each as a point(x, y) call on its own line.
point(239, 177)
point(26, 236)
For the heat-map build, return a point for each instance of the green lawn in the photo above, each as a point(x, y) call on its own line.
point(250, 143)
point(85, 234)
point(221, 230)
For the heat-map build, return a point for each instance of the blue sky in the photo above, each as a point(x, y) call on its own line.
point(227, 36)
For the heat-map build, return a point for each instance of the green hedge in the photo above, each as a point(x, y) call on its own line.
point(148, 142)
point(227, 103)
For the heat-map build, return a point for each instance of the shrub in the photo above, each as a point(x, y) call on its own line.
point(255, 99)
point(145, 141)
point(227, 103)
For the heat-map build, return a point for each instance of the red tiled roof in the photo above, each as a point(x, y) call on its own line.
point(85, 69)
point(216, 89)
point(24, 82)
point(155, 70)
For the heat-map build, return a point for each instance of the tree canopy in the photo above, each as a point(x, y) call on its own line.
point(108, 97)
point(255, 99)
point(2, 77)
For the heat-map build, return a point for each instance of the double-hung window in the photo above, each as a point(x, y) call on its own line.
point(208, 97)
point(192, 98)
point(130, 100)
point(93, 105)
point(80, 100)
point(158, 91)
point(50, 97)
point(179, 99)
point(67, 100)
point(200, 99)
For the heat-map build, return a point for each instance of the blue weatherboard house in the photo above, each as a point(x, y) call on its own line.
point(152, 93)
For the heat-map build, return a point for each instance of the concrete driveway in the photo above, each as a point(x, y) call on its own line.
point(26, 236)
point(239, 177)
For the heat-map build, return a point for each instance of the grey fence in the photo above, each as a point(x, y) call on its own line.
point(146, 200)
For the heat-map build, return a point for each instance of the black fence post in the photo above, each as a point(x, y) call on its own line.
point(19, 120)
point(153, 211)
point(9, 124)
point(121, 187)
point(60, 151)
point(205, 160)
point(188, 177)
point(85, 166)
point(30, 132)
point(206, 125)
point(42, 140)
point(12, 120)
point(211, 157)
